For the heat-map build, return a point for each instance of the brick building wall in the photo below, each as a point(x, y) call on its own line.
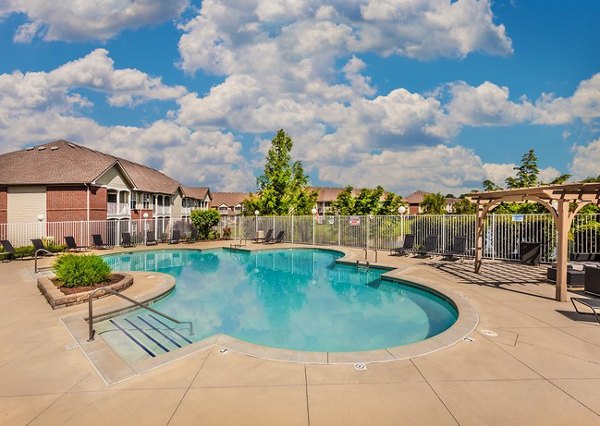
point(69, 203)
point(3, 205)
point(139, 214)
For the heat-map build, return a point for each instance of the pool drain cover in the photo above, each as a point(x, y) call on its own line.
point(359, 366)
point(488, 333)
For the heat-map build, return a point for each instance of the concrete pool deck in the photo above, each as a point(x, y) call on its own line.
point(542, 367)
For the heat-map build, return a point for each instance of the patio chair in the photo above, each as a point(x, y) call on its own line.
point(431, 245)
point(268, 236)
point(72, 245)
point(193, 236)
point(459, 248)
point(9, 251)
point(278, 239)
point(592, 304)
point(151, 238)
point(98, 243)
point(407, 246)
point(126, 240)
point(39, 248)
point(175, 236)
point(591, 283)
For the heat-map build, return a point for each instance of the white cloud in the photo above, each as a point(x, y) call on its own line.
point(75, 20)
point(586, 160)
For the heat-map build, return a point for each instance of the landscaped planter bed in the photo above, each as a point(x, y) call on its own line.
point(76, 295)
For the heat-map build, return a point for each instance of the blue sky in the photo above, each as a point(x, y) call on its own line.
point(427, 94)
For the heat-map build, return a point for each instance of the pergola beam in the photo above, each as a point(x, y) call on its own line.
point(557, 199)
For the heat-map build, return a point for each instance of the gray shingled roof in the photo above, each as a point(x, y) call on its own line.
point(196, 193)
point(57, 162)
point(63, 162)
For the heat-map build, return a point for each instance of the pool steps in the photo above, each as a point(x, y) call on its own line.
point(142, 336)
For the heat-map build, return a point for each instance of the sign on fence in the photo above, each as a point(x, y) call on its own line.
point(518, 217)
point(354, 221)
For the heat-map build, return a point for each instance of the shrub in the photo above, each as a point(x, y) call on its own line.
point(204, 221)
point(55, 248)
point(81, 270)
point(24, 251)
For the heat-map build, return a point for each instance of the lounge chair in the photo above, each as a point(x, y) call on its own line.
point(151, 238)
point(9, 251)
point(459, 248)
point(98, 243)
point(431, 245)
point(592, 304)
point(193, 236)
point(126, 240)
point(72, 245)
point(39, 248)
point(278, 239)
point(407, 246)
point(175, 236)
point(268, 238)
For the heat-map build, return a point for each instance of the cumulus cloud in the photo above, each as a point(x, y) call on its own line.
point(586, 160)
point(74, 20)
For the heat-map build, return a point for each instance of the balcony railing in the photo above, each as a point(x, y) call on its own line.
point(163, 210)
point(186, 211)
point(118, 209)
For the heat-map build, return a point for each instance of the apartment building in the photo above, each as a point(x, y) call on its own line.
point(62, 181)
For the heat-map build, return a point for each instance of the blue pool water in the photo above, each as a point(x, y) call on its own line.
point(296, 299)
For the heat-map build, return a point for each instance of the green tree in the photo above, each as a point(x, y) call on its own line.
point(282, 187)
point(390, 204)
point(527, 172)
point(489, 185)
point(344, 202)
point(368, 200)
point(560, 179)
point(434, 204)
point(464, 206)
point(204, 220)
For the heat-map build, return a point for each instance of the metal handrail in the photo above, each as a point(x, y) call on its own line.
point(129, 299)
point(35, 257)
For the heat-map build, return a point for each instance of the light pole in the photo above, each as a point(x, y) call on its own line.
point(402, 210)
point(256, 213)
point(145, 227)
point(314, 214)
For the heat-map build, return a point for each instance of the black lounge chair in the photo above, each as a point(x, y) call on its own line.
point(39, 248)
point(459, 248)
point(591, 282)
point(126, 240)
point(592, 304)
point(72, 245)
point(9, 251)
point(193, 236)
point(407, 246)
point(175, 236)
point(151, 238)
point(98, 243)
point(431, 245)
point(278, 239)
point(269, 237)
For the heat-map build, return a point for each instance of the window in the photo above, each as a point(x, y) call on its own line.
point(146, 201)
point(111, 197)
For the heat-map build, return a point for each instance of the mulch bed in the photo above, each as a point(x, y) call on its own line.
point(114, 278)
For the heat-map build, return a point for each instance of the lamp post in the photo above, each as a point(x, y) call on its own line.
point(256, 213)
point(314, 214)
point(145, 215)
point(402, 210)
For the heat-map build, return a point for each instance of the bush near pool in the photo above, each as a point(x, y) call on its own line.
point(81, 270)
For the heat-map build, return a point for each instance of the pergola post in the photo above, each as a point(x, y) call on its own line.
point(479, 238)
point(562, 249)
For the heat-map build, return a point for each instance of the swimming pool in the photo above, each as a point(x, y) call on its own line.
point(298, 299)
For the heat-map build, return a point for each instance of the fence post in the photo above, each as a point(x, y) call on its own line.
point(367, 219)
point(292, 238)
point(443, 233)
point(493, 236)
point(313, 228)
point(339, 230)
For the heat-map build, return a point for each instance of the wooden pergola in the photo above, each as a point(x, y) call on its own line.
point(562, 201)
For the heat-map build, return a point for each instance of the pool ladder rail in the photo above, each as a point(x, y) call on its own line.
point(90, 320)
point(365, 263)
